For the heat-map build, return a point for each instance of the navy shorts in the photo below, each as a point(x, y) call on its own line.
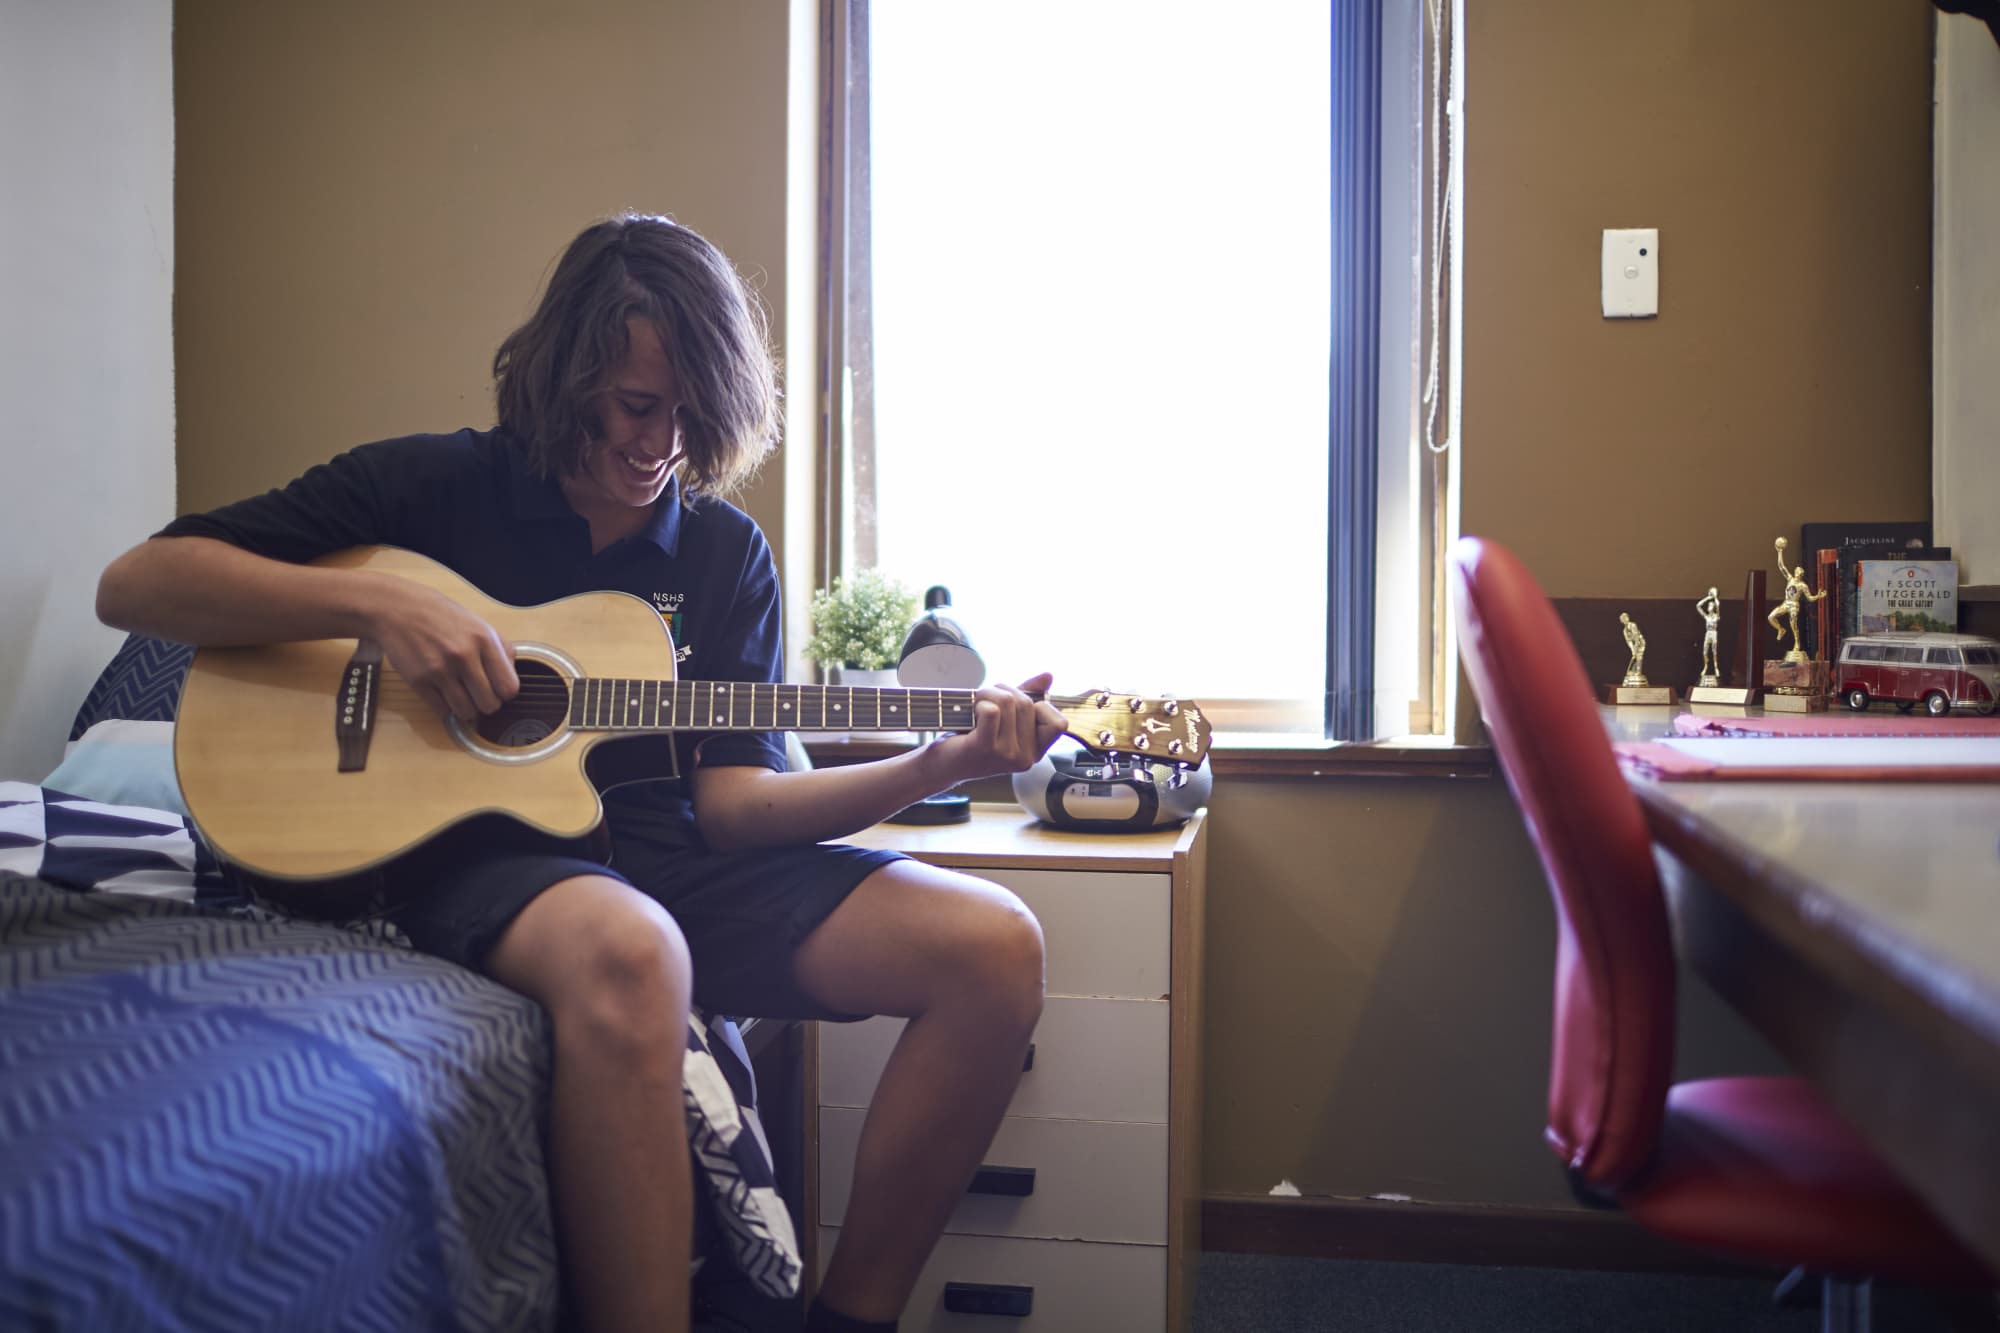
point(744, 914)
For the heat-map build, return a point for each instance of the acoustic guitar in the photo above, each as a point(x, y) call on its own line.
point(316, 761)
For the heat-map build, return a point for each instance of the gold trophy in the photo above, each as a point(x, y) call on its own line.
point(1635, 689)
point(1710, 689)
point(1794, 683)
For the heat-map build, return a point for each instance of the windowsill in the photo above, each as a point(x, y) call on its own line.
point(1261, 754)
point(1273, 754)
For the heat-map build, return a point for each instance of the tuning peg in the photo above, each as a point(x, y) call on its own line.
point(1142, 741)
point(1174, 747)
point(1104, 739)
point(1136, 705)
point(1170, 707)
point(1100, 699)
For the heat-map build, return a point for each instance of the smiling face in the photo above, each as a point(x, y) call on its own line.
point(635, 439)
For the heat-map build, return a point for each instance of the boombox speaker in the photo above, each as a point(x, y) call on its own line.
point(1075, 789)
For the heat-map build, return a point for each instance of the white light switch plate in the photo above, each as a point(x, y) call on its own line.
point(1631, 272)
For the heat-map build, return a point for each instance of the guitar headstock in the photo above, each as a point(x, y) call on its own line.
point(1168, 731)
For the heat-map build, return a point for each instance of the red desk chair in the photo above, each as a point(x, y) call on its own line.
point(1752, 1168)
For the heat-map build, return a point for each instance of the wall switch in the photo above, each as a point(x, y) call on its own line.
point(1631, 272)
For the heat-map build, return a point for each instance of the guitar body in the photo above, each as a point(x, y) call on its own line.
point(258, 758)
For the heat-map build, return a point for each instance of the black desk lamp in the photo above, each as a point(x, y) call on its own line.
point(938, 655)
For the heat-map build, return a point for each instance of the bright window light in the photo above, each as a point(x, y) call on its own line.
point(1101, 324)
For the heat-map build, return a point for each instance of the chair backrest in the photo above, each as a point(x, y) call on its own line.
point(1614, 995)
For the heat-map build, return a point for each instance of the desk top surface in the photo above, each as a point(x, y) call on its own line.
point(1001, 832)
point(1905, 875)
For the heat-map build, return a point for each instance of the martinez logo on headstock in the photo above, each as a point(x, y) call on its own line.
point(1164, 729)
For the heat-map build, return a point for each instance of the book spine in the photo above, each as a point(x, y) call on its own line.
point(1826, 613)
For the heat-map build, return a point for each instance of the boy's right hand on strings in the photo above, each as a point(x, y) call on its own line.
point(456, 662)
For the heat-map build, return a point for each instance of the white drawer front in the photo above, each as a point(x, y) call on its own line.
point(1094, 1179)
point(1078, 1287)
point(1094, 1060)
point(1106, 934)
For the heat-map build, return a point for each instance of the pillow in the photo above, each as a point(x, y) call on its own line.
point(122, 762)
point(142, 681)
point(89, 846)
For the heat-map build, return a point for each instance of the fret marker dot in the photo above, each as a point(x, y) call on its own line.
point(837, 708)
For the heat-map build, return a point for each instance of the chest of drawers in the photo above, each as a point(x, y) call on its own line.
point(1085, 1214)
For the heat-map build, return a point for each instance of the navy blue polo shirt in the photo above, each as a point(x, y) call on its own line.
point(469, 502)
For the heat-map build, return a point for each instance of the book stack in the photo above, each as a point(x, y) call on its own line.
point(1836, 551)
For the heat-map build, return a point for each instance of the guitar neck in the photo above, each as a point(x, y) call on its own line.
point(602, 703)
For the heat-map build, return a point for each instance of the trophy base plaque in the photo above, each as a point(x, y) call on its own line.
point(1794, 703)
point(1654, 695)
point(1796, 687)
point(1721, 694)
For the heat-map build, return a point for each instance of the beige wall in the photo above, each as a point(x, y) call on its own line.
point(1783, 150)
point(370, 194)
point(353, 181)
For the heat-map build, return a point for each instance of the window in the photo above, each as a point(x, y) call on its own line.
point(1089, 286)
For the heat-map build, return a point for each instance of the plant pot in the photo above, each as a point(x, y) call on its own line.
point(883, 678)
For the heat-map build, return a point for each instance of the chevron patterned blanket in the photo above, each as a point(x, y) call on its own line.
point(220, 1118)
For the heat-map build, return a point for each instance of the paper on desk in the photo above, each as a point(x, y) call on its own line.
point(1854, 758)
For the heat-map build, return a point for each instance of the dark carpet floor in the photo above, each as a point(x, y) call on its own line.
point(1241, 1293)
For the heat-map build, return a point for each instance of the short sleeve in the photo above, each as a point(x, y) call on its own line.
point(355, 499)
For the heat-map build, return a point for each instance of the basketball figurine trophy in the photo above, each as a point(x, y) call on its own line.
point(1710, 689)
point(1794, 683)
point(1635, 689)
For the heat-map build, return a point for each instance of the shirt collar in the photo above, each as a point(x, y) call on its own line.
point(542, 498)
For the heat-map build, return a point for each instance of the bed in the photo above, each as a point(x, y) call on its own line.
point(219, 1117)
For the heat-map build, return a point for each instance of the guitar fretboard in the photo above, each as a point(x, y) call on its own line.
point(601, 703)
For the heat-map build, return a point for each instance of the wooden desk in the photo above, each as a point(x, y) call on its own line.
point(1857, 925)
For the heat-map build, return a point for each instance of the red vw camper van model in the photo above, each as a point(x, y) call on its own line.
point(1939, 671)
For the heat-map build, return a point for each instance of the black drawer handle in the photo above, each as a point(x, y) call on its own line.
point(988, 1298)
point(1028, 1062)
point(1015, 1181)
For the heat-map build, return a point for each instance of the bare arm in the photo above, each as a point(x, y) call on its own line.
point(740, 807)
point(211, 594)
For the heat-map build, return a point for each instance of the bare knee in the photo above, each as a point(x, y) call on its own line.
point(1000, 959)
point(607, 962)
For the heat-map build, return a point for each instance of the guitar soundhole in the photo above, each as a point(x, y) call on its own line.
point(531, 716)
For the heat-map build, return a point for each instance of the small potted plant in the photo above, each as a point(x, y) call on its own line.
point(858, 627)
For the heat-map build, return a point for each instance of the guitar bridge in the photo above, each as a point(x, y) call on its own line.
point(354, 708)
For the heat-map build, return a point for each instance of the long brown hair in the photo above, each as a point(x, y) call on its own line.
point(549, 371)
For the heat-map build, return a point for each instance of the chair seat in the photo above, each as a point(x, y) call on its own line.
point(1763, 1168)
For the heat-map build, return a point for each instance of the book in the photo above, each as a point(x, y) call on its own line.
point(1906, 595)
point(1851, 542)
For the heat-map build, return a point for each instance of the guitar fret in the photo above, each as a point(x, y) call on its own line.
point(603, 703)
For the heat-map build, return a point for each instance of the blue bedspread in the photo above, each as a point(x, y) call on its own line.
point(217, 1123)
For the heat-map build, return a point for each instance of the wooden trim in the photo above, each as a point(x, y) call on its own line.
point(1185, 1070)
point(1368, 1229)
point(1357, 759)
point(809, 1162)
point(1279, 757)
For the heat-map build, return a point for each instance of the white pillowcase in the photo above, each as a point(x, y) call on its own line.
point(122, 762)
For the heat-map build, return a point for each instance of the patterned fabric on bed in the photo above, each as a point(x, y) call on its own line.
point(215, 1122)
point(141, 682)
point(211, 1110)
